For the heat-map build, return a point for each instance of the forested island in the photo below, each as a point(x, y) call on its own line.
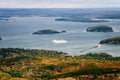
point(115, 40)
point(48, 31)
point(33, 64)
point(99, 28)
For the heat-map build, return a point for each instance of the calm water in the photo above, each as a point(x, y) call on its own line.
point(17, 32)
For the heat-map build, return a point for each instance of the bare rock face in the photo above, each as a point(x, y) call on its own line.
point(115, 40)
point(99, 28)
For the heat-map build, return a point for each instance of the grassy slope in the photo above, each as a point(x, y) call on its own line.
point(44, 64)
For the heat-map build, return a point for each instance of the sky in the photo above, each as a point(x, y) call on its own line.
point(59, 3)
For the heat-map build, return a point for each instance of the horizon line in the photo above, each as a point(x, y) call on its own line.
point(60, 8)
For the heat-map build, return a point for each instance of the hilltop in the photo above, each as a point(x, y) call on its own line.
point(25, 64)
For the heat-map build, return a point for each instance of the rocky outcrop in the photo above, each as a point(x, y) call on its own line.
point(99, 28)
point(48, 31)
point(115, 40)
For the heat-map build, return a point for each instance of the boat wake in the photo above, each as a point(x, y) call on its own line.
point(97, 46)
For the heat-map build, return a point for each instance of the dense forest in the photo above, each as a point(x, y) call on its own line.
point(33, 64)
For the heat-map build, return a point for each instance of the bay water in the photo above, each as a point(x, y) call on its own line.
point(17, 33)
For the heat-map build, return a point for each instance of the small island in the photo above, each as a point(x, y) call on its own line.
point(115, 40)
point(99, 28)
point(63, 31)
point(0, 38)
point(47, 31)
point(5, 18)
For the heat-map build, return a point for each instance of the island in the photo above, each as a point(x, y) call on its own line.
point(99, 28)
point(0, 38)
point(81, 20)
point(63, 31)
point(47, 31)
point(115, 40)
point(5, 18)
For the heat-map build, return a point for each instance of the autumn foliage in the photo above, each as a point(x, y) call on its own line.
point(26, 64)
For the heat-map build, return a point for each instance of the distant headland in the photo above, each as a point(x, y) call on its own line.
point(80, 20)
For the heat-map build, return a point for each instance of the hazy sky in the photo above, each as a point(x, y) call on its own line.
point(58, 3)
